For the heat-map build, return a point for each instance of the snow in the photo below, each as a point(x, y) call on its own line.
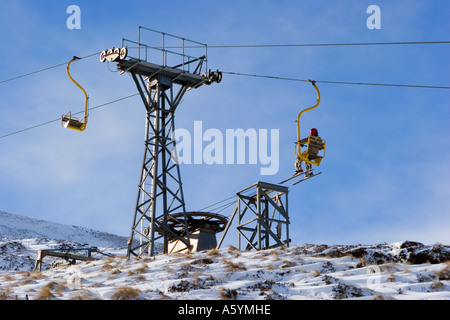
point(405, 270)
point(22, 227)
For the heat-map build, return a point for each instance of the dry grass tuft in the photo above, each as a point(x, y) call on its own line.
point(126, 293)
point(107, 266)
point(83, 296)
point(444, 274)
point(288, 264)
point(315, 273)
point(142, 269)
point(5, 295)
point(436, 286)
point(46, 292)
point(227, 294)
point(213, 253)
point(233, 266)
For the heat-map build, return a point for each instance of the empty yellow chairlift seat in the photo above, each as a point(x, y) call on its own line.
point(70, 122)
point(67, 120)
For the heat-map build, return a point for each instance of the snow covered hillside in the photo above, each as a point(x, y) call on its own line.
point(22, 237)
point(15, 226)
point(405, 270)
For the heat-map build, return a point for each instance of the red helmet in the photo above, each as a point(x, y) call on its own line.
point(314, 132)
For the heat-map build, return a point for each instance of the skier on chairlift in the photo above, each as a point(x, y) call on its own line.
point(312, 151)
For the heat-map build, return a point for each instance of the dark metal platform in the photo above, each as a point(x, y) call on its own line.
point(173, 75)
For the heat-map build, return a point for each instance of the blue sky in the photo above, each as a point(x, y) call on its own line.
point(386, 172)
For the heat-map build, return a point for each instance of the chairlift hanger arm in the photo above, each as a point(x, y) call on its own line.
point(82, 89)
point(67, 120)
point(305, 110)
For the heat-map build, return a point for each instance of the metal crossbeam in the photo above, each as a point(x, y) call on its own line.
point(172, 74)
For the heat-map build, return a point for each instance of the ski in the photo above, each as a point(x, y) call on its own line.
point(305, 178)
point(295, 176)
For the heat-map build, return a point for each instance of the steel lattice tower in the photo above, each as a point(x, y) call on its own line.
point(160, 201)
point(160, 178)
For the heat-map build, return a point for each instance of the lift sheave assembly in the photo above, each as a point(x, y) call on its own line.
point(67, 120)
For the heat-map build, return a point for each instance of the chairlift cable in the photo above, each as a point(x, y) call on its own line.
point(336, 82)
point(256, 46)
point(44, 69)
point(328, 44)
point(239, 74)
point(59, 119)
point(297, 45)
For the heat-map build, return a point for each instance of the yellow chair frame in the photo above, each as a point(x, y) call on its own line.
point(311, 142)
point(67, 120)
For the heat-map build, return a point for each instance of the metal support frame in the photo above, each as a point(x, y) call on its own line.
point(66, 255)
point(160, 200)
point(267, 223)
point(160, 175)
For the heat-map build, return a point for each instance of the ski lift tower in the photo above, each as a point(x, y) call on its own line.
point(163, 72)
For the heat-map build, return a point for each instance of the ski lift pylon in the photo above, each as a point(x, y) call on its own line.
point(67, 120)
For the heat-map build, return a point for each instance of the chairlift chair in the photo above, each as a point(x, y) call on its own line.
point(313, 144)
point(68, 121)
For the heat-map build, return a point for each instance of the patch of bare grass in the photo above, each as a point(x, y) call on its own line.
point(126, 293)
point(228, 294)
point(231, 266)
point(49, 290)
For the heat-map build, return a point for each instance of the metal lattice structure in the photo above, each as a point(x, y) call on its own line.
point(262, 216)
point(160, 200)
